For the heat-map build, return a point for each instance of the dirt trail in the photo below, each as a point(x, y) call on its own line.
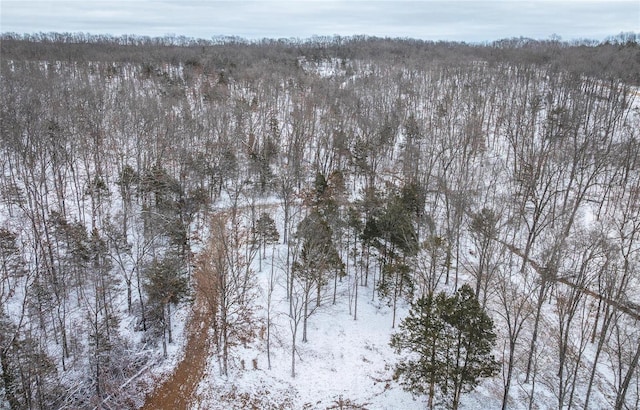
point(178, 391)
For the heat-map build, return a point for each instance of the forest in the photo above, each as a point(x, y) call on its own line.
point(154, 187)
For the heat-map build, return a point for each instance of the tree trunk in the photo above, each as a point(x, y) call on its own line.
point(397, 288)
point(606, 320)
point(620, 398)
point(142, 308)
point(129, 296)
point(225, 347)
point(507, 386)
point(169, 322)
point(293, 351)
point(304, 317)
point(536, 323)
point(355, 300)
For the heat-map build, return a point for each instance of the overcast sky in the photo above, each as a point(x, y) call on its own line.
point(469, 20)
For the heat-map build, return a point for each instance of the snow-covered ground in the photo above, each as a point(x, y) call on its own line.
point(344, 359)
point(346, 363)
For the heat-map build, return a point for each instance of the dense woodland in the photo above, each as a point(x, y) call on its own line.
point(131, 165)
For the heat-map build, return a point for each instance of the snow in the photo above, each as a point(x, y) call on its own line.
point(345, 361)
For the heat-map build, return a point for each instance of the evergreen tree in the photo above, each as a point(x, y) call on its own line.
point(449, 339)
point(318, 257)
point(266, 231)
point(167, 284)
point(392, 230)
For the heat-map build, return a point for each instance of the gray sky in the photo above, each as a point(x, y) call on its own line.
point(471, 21)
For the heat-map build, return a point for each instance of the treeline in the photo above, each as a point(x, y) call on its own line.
point(402, 165)
point(616, 57)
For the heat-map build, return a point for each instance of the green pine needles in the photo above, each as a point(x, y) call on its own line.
point(447, 341)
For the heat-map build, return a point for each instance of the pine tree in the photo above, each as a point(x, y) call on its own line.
point(166, 285)
point(422, 332)
point(449, 341)
point(266, 231)
point(318, 258)
point(471, 331)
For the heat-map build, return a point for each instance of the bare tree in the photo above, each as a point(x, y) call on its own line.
point(228, 282)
